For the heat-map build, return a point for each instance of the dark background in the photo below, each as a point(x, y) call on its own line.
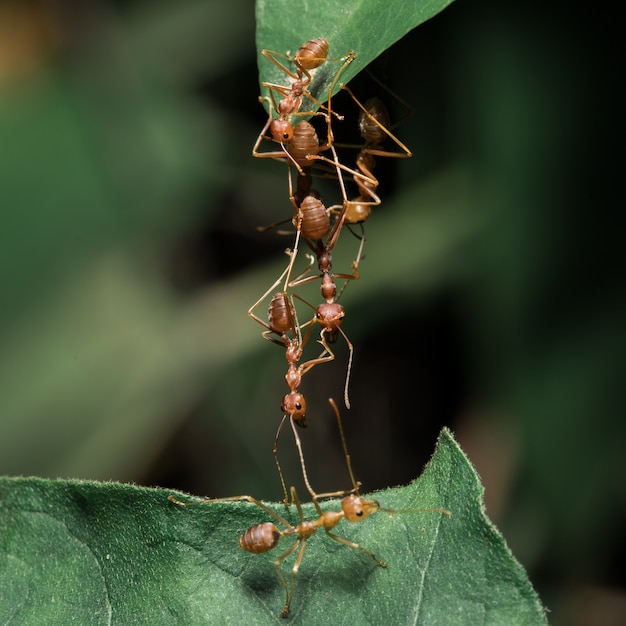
point(491, 297)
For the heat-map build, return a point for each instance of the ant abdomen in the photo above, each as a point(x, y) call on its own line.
point(281, 314)
point(315, 219)
point(370, 131)
point(312, 54)
point(260, 538)
point(303, 143)
point(358, 211)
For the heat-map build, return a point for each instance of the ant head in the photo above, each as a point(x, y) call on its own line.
point(281, 314)
point(355, 508)
point(294, 405)
point(330, 315)
point(282, 131)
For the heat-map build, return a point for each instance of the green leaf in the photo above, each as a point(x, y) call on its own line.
point(92, 553)
point(367, 28)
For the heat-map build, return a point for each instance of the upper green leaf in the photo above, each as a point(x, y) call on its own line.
point(91, 553)
point(367, 27)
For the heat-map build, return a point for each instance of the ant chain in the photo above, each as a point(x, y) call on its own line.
point(300, 147)
point(312, 221)
point(313, 224)
point(330, 313)
point(312, 217)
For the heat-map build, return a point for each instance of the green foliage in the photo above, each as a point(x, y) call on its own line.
point(367, 28)
point(94, 553)
point(132, 137)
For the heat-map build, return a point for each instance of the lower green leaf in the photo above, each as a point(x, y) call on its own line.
point(107, 553)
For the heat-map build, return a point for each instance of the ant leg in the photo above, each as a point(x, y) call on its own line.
point(326, 355)
point(252, 500)
point(351, 350)
point(302, 279)
point(356, 546)
point(355, 264)
point(331, 240)
point(289, 589)
point(286, 501)
point(275, 284)
point(361, 176)
point(292, 258)
point(271, 56)
point(305, 475)
point(302, 539)
point(344, 445)
point(298, 279)
point(406, 153)
point(348, 59)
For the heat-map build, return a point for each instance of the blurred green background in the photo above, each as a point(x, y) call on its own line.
point(491, 297)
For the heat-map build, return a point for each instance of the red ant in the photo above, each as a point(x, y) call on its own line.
point(293, 140)
point(309, 56)
point(375, 128)
point(265, 536)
